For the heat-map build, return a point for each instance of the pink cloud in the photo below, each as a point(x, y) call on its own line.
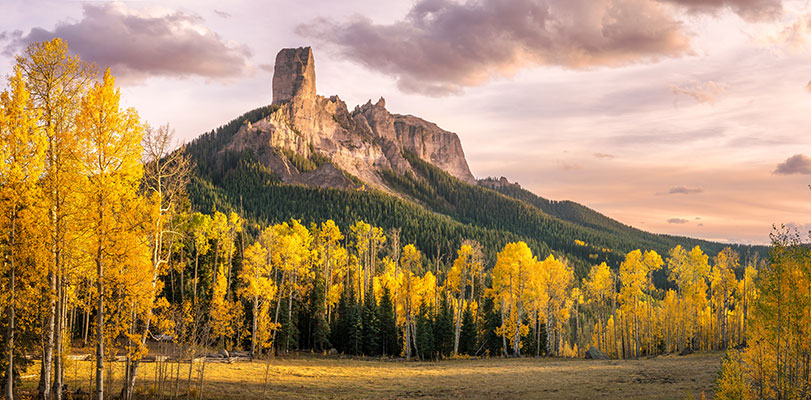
point(137, 45)
point(442, 46)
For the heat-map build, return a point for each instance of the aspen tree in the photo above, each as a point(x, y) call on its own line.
point(110, 144)
point(57, 82)
point(22, 148)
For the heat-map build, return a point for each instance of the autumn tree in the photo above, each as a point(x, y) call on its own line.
point(408, 296)
point(512, 277)
point(556, 280)
point(722, 286)
point(167, 171)
point(22, 148)
point(598, 289)
point(461, 282)
point(110, 151)
point(689, 271)
point(57, 82)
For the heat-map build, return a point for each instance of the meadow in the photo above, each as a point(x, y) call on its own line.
point(316, 377)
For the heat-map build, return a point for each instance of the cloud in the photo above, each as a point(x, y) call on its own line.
point(749, 10)
point(796, 164)
point(677, 221)
point(707, 92)
point(794, 36)
point(570, 166)
point(657, 137)
point(604, 156)
point(137, 45)
point(442, 46)
point(808, 87)
point(222, 14)
point(684, 190)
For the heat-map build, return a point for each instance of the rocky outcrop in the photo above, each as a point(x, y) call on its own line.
point(426, 139)
point(494, 183)
point(594, 353)
point(293, 75)
point(362, 142)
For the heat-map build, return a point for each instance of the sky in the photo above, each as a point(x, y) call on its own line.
point(686, 117)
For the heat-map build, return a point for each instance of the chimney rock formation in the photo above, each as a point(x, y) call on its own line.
point(294, 75)
point(363, 142)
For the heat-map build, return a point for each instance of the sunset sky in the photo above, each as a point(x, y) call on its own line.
point(686, 117)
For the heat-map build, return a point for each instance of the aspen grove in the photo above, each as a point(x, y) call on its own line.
point(101, 247)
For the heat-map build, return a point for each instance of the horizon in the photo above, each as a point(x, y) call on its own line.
point(662, 129)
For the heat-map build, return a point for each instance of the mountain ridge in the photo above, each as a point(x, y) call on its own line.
point(374, 163)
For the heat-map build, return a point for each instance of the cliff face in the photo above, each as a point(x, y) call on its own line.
point(361, 142)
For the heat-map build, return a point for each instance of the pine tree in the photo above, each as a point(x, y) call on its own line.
point(319, 329)
point(338, 331)
point(490, 340)
point(371, 325)
point(388, 325)
point(467, 336)
point(444, 329)
point(425, 333)
point(354, 326)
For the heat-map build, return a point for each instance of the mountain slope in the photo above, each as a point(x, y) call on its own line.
point(307, 157)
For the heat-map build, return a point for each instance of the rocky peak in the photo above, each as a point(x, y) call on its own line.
point(363, 143)
point(294, 75)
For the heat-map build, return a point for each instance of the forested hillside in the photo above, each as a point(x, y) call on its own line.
point(434, 209)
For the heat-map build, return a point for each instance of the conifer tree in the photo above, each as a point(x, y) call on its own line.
point(467, 336)
point(371, 325)
point(425, 333)
point(444, 329)
point(319, 328)
point(354, 325)
point(388, 325)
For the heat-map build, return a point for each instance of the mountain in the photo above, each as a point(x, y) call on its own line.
point(307, 156)
point(361, 142)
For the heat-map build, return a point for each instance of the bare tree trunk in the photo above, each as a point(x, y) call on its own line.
point(253, 327)
point(86, 327)
point(289, 319)
point(503, 337)
point(458, 326)
point(9, 393)
point(191, 367)
point(47, 353)
point(60, 327)
point(196, 262)
point(202, 378)
point(100, 324)
point(278, 306)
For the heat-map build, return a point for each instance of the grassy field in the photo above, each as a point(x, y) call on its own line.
point(305, 376)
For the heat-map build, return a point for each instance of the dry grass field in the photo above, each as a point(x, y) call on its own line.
point(316, 377)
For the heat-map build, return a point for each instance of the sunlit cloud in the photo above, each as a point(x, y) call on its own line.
point(222, 14)
point(137, 44)
point(684, 190)
point(442, 46)
point(604, 156)
point(707, 92)
point(750, 10)
point(796, 164)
